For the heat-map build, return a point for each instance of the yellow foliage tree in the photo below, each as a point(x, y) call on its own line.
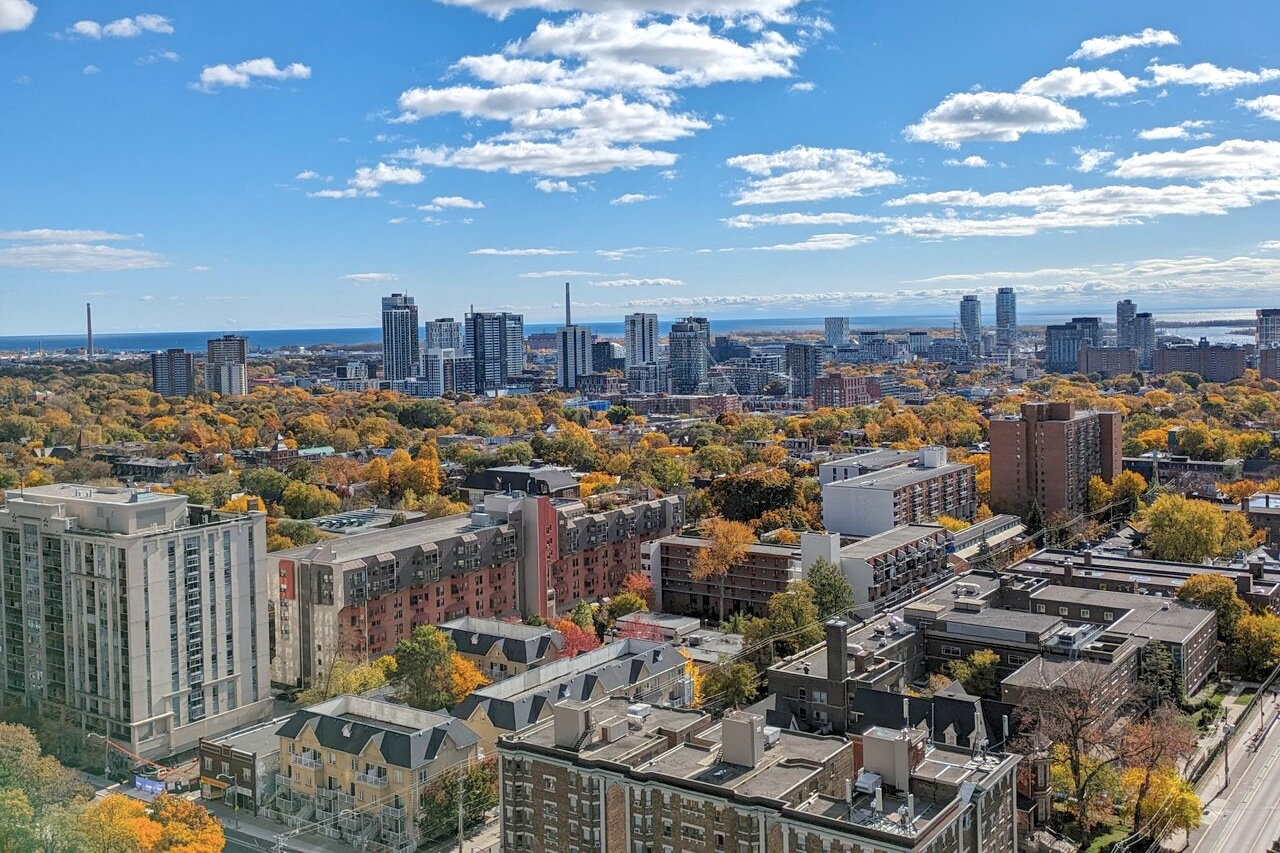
point(727, 543)
point(243, 503)
point(120, 824)
point(953, 525)
point(694, 675)
point(466, 678)
point(596, 481)
point(1169, 803)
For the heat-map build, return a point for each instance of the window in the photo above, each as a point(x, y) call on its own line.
point(1084, 613)
point(1064, 611)
point(1039, 608)
point(949, 651)
point(820, 697)
point(548, 783)
point(1107, 617)
point(1018, 660)
point(804, 693)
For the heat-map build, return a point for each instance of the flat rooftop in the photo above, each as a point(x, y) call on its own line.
point(756, 548)
point(371, 543)
point(896, 478)
point(898, 537)
point(260, 739)
point(114, 495)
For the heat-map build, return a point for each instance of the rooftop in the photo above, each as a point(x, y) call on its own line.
point(259, 739)
point(114, 495)
point(898, 537)
point(896, 478)
point(372, 543)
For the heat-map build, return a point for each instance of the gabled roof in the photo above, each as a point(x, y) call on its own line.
point(526, 644)
point(406, 737)
point(543, 480)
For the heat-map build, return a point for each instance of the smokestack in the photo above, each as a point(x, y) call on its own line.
point(568, 313)
point(88, 319)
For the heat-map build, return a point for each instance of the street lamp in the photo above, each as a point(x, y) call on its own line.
point(106, 760)
point(233, 791)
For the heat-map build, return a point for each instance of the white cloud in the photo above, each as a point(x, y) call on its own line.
point(749, 220)
point(1269, 245)
point(547, 186)
point(568, 157)
point(371, 277)
point(123, 27)
point(1096, 48)
point(992, 117)
point(241, 75)
point(66, 235)
point(79, 257)
point(1267, 106)
point(1177, 131)
point(1091, 158)
point(349, 192)
point(818, 243)
point(504, 102)
point(368, 179)
point(521, 253)
point(973, 161)
point(619, 254)
point(199, 268)
point(767, 10)
point(91, 69)
point(157, 55)
point(560, 274)
point(1231, 159)
point(811, 174)
point(1073, 83)
point(803, 86)
point(16, 15)
point(452, 202)
point(632, 198)
point(612, 119)
point(1206, 75)
point(307, 175)
point(637, 282)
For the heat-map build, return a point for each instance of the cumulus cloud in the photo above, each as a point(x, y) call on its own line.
point(973, 161)
point(371, 277)
point(637, 282)
point(548, 186)
point(158, 55)
point(1096, 48)
point(66, 235)
point(749, 220)
point(1091, 158)
point(243, 74)
point(307, 175)
point(992, 117)
point(123, 28)
point(1206, 75)
point(568, 157)
point(91, 69)
point(1267, 106)
point(1074, 83)
point(503, 102)
point(368, 179)
point(632, 198)
point(452, 202)
point(811, 174)
point(767, 10)
point(612, 119)
point(1231, 159)
point(79, 257)
point(521, 253)
point(803, 86)
point(628, 252)
point(1182, 130)
point(16, 15)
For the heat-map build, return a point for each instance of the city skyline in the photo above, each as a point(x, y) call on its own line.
point(725, 165)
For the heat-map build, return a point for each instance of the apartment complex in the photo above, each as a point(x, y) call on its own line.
point(224, 369)
point(495, 342)
point(747, 587)
point(1144, 338)
point(446, 370)
point(879, 502)
point(442, 333)
point(401, 354)
point(1267, 327)
point(1213, 362)
point(1006, 317)
point(1269, 362)
point(358, 769)
point(688, 348)
point(1126, 310)
point(971, 323)
point(517, 554)
point(641, 340)
point(884, 569)
point(1047, 455)
point(617, 777)
point(173, 373)
point(802, 363)
point(840, 390)
point(835, 331)
point(1062, 343)
point(1108, 362)
point(133, 615)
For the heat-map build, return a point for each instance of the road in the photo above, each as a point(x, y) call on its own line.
point(1246, 817)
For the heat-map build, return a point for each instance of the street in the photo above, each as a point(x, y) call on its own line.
point(1246, 817)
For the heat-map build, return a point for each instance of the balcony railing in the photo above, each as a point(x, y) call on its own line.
point(371, 779)
point(303, 760)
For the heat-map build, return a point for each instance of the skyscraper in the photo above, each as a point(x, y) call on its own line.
point(641, 339)
point(401, 355)
point(514, 326)
point(1268, 327)
point(1062, 343)
point(573, 349)
point(173, 373)
point(442, 333)
point(836, 331)
point(689, 352)
point(1126, 310)
point(1006, 317)
point(446, 369)
point(971, 323)
point(224, 369)
point(1144, 338)
point(496, 344)
point(803, 362)
point(1047, 455)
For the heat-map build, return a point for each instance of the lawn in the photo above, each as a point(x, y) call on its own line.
point(1103, 842)
point(1245, 697)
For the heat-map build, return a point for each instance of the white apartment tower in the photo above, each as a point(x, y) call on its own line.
point(401, 356)
point(641, 333)
point(1006, 317)
point(225, 368)
point(835, 331)
point(1126, 311)
point(137, 616)
point(971, 323)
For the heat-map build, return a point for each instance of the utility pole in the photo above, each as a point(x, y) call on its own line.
point(461, 813)
point(1226, 754)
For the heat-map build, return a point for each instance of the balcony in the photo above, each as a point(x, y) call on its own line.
point(326, 793)
point(394, 812)
point(371, 779)
point(284, 782)
point(304, 760)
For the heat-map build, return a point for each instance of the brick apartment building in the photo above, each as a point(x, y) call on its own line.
point(878, 502)
point(840, 390)
point(1107, 361)
point(1213, 362)
point(884, 569)
point(1047, 455)
point(766, 570)
point(633, 778)
point(1269, 362)
point(518, 554)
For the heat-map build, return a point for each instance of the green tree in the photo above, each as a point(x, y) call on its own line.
point(302, 500)
point(1159, 679)
point(1216, 592)
point(831, 591)
point(40, 777)
point(1182, 530)
point(267, 483)
point(1256, 649)
point(793, 619)
point(424, 668)
point(438, 817)
point(618, 414)
point(731, 686)
point(17, 820)
point(625, 603)
point(583, 616)
point(977, 672)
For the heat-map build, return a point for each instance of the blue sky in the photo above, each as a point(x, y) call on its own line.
point(236, 165)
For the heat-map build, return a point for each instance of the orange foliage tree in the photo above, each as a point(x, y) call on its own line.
point(466, 677)
point(576, 639)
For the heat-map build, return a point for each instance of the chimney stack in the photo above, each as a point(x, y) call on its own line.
point(88, 318)
point(837, 650)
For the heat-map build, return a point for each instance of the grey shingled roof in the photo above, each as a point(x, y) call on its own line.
point(337, 728)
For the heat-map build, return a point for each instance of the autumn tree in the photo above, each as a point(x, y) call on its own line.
point(793, 619)
point(424, 668)
point(1218, 593)
point(952, 525)
point(1183, 530)
point(303, 500)
point(1100, 494)
point(464, 678)
point(831, 591)
point(1255, 650)
point(1159, 804)
point(977, 672)
point(185, 826)
point(343, 675)
point(576, 638)
point(625, 603)
point(120, 824)
point(639, 583)
point(697, 681)
point(438, 817)
point(1153, 746)
point(731, 685)
point(17, 822)
point(728, 542)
